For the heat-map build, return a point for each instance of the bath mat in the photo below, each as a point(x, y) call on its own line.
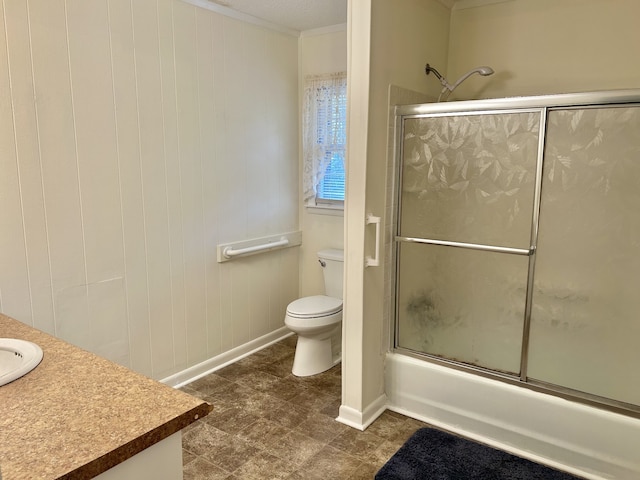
point(432, 454)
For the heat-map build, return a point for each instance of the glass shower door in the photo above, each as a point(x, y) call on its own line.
point(585, 321)
point(466, 205)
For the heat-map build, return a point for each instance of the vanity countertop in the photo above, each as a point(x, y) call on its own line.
point(77, 415)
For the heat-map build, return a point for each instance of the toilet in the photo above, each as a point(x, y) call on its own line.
point(317, 319)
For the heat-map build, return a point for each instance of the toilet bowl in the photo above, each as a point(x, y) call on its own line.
point(317, 320)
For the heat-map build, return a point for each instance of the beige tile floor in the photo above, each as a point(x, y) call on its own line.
point(268, 424)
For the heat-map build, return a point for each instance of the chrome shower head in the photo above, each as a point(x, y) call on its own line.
point(448, 88)
point(485, 71)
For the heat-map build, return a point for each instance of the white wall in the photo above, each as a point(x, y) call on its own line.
point(135, 136)
point(402, 38)
point(545, 46)
point(321, 51)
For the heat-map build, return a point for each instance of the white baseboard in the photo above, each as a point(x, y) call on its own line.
point(361, 420)
point(195, 372)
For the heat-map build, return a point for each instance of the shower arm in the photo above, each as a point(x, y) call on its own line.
point(429, 69)
point(445, 85)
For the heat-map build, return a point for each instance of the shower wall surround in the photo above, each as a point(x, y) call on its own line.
point(517, 241)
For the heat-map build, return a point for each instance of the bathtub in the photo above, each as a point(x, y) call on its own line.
point(577, 438)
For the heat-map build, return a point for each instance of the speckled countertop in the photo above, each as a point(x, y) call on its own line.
point(77, 415)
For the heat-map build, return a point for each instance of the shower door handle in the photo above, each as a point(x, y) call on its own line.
point(375, 261)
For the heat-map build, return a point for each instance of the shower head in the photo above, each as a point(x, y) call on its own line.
point(484, 71)
point(447, 88)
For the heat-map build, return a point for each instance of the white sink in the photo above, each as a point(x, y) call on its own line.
point(17, 358)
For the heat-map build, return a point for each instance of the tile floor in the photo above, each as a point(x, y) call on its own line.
point(268, 424)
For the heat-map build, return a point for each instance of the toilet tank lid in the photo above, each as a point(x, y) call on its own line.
point(332, 254)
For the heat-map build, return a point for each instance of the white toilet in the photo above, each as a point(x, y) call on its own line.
point(317, 319)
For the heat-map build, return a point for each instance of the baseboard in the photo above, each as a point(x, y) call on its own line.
point(361, 420)
point(195, 372)
point(586, 441)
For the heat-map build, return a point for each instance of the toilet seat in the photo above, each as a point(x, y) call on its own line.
point(314, 307)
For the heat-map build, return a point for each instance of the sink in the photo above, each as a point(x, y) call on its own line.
point(17, 358)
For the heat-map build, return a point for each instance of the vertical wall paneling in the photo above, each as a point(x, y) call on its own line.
point(233, 205)
point(285, 88)
point(277, 297)
point(174, 188)
point(128, 145)
point(259, 308)
point(284, 85)
point(59, 157)
point(239, 138)
point(28, 156)
point(226, 306)
point(186, 48)
point(93, 112)
point(136, 135)
point(271, 80)
point(240, 277)
point(219, 181)
point(13, 255)
point(208, 140)
point(258, 160)
point(154, 182)
point(288, 283)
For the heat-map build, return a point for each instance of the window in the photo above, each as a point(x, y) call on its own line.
point(324, 140)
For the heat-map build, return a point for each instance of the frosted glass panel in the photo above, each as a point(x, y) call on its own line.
point(585, 329)
point(470, 178)
point(461, 304)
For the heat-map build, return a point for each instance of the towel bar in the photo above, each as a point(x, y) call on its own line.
point(229, 251)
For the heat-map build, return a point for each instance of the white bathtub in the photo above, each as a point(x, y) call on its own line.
point(579, 439)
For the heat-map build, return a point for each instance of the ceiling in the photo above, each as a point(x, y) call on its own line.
point(297, 15)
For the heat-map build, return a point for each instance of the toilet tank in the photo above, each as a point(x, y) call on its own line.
point(332, 262)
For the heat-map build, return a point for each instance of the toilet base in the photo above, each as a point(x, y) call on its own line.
point(312, 356)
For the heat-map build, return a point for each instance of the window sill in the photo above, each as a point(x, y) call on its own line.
point(334, 210)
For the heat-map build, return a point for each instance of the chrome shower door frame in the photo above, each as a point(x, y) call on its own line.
point(541, 105)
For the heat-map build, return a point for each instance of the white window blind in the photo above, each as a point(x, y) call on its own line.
point(324, 138)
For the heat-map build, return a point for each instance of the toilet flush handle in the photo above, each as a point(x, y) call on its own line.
point(322, 263)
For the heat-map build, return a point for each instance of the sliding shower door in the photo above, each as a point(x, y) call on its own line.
point(585, 320)
point(466, 204)
point(517, 242)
